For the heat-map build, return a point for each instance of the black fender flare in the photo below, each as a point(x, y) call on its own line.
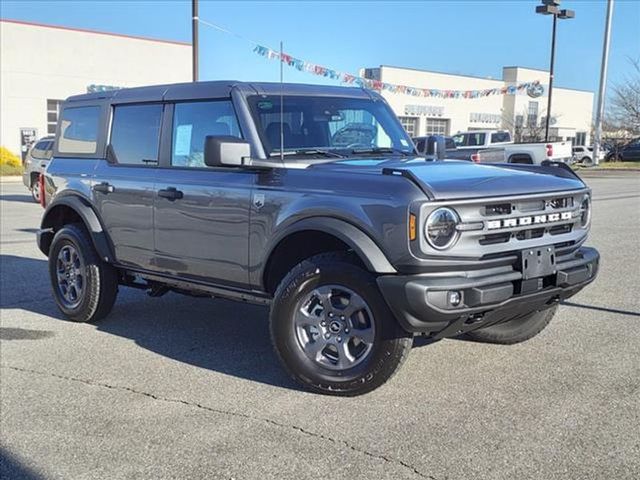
point(360, 242)
point(89, 217)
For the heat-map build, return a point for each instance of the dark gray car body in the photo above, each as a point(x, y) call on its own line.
point(236, 231)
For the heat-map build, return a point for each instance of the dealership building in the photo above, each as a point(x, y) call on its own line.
point(41, 65)
point(522, 113)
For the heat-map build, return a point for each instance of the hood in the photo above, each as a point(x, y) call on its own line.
point(452, 180)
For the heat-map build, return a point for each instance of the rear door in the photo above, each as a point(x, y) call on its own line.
point(123, 186)
point(201, 213)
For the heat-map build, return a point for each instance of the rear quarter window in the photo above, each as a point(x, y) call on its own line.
point(79, 130)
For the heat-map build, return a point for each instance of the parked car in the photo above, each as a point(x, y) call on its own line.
point(489, 146)
point(207, 189)
point(584, 155)
point(625, 153)
point(35, 162)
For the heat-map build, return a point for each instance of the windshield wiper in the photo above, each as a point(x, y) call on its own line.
point(307, 151)
point(374, 150)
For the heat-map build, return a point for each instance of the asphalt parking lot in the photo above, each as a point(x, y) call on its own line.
point(179, 387)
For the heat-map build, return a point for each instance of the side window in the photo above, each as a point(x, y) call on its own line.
point(499, 137)
point(39, 150)
point(449, 144)
point(135, 134)
point(79, 130)
point(192, 122)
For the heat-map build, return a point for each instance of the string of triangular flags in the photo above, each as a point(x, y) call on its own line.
point(377, 85)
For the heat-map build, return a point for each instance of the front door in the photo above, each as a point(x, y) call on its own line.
point(201, 213)
point(123, 186)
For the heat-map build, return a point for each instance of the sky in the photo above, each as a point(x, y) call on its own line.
point(470, 37)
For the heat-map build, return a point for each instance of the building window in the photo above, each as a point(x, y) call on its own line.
point(436, 126)
point(53, 109)
point(581, 138)
point(135, 134)
point(410, 124)
point(532, 114)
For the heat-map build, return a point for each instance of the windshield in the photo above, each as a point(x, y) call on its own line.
point(345, 126)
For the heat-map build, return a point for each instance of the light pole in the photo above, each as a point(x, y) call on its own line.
point(550, 7)
point(194, 39)
point(603, 84)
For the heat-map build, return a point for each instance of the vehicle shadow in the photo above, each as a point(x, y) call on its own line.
point(215, 334)
point(12, 467)
point(26, 198)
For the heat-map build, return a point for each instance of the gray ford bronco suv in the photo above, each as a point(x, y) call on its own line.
point(312, 200)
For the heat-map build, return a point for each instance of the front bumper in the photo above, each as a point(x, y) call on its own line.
point(420, 302)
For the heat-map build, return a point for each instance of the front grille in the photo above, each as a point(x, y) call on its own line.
point(494, 238)
point(510, 224)
point(560, 229)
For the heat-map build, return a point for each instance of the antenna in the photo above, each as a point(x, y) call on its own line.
point(281, 105)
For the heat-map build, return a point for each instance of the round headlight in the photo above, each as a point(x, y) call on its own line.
point(585, 212)
point(440, 228)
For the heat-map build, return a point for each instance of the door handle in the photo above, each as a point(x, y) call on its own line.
point(170, 193)
point(103, 187)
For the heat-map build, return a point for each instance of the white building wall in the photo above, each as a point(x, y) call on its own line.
point(457, 112)
point(571, 109)
point(44, 62)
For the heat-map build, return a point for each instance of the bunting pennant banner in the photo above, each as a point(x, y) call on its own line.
point(379, 86)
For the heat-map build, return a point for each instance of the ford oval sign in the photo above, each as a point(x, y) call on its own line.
point(536, 90)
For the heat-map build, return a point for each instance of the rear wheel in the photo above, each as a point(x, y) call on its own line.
point(332, 329)
point(84, 287)
point(35, 189)
point(515, 331)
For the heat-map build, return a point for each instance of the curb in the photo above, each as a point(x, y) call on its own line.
point(11, 179)
point(606, 170)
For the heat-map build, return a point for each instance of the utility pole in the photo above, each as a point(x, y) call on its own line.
point(603, 84)
point(194, 39)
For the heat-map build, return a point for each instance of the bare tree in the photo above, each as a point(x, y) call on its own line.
point(624, 109)
point(525, 128)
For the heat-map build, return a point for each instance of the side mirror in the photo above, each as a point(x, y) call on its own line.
point(225, 151)
point(435, 147)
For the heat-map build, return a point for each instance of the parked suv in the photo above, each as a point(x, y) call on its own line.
point(35, 162)
point(625, 153)
point(312, 200)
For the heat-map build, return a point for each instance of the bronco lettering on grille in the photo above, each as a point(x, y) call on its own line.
point(531, 220)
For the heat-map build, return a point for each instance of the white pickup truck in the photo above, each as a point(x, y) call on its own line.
point(491, 146)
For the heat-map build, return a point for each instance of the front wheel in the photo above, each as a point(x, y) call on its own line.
point(332, 329)
point(515, 331)
point(84, 287)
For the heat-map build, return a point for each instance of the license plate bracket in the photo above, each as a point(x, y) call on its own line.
point(538, 262)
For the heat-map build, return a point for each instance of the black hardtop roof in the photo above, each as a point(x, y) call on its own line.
point(220, 88)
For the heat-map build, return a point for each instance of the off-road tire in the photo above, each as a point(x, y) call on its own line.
point(390, 348)
point(515, 331)
point(100, 280)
